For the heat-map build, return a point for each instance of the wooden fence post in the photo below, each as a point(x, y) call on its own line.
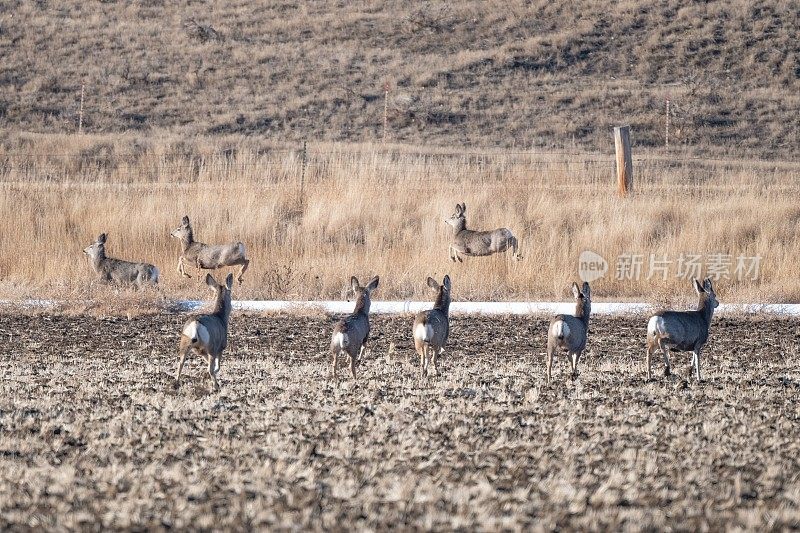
point(80, 111)
point(385, 110)
point(622, 145)
point(304, 164)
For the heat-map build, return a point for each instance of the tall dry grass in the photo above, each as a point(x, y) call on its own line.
point(370, 209)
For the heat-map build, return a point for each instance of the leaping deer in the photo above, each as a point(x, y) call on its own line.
point(207, 256)
point(478, 243)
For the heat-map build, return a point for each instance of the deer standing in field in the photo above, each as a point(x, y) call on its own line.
point(207, 334)
point(478, 243)
point(350, 334)
point(569, 333)
point(207, 256)
point(112, 270)
point(683, 331)
point(432, 327)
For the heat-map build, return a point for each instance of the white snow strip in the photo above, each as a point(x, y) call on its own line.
point(466, 308)
point(486, 308)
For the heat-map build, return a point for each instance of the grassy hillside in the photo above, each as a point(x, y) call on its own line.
point(478, 73)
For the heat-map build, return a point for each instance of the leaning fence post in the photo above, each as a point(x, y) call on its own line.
point(622, 145)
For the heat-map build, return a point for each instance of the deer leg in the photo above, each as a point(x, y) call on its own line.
point(211, 375)
point(650, 348)
point(550, 351)
point(242, 270)
point(574, 360)
point(183, 350)
point(696, 364)
point(665, 351)
point(515, 249)
point(182, 268)
point(436, 354)
point(354, 361)
point(217, 360)
point(333, 364)
point(422, 360)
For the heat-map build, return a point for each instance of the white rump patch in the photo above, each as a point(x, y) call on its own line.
point(154, 274)
point(560, 329)
point(241, 249)
point(655, 326)
point(340, 339)
point(197, 331)
point(423, 332)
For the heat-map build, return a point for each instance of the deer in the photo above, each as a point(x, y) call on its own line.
point(569, 333)
point(682, 331)
point(207, 334)
point(432, 327)
point(478, 243)
point(207, 256)
point(117, 271)
point(350, 334)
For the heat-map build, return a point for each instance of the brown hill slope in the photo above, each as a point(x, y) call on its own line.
point(478, 73)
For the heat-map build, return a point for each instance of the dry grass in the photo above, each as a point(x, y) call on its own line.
point(519, 73)
point(370, 209)
point(95, 437)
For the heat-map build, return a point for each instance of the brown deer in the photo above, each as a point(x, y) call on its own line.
point(350, 334)
point(207, 334)
point(569, 333)
point(478, 243)
point(683, 331)
point(207, 256)
point(432, 327)
point(117, 271)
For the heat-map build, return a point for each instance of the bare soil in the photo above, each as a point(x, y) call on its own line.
point(93, 434)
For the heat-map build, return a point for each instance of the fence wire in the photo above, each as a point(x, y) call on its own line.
point(282, 168)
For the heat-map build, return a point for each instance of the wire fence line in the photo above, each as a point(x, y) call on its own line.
point(557, 169)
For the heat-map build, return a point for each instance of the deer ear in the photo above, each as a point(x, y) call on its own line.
point(101, 238)
point(373, 284)
point(354, 285)
point(446, 282)
point(229, 281)
point(586, 291)
point(458, 209)
point(432, 283)
point(707, 285)
point(697, 287)
point(463, 207)
point(575, 291)
point(211, 282)
point(185, 220)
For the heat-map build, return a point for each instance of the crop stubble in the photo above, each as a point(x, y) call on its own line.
point(93, 431)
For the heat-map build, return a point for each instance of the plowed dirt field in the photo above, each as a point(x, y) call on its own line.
point(94, 435)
